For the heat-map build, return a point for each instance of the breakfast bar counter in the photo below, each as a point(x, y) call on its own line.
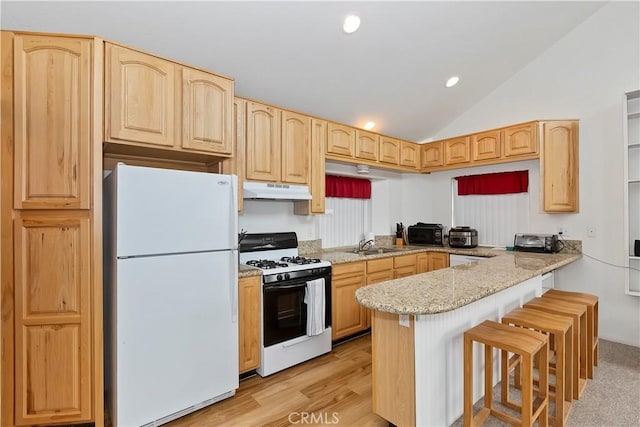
point(450, 288)
point(418, 324)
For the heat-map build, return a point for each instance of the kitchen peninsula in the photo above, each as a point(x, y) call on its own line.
point(417, 328)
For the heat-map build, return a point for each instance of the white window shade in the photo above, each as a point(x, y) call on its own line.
point(345, 222)
point(496, 217)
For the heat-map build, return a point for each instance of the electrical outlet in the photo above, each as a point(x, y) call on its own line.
point(591, 232)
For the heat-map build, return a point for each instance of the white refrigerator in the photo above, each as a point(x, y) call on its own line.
point(171, 270)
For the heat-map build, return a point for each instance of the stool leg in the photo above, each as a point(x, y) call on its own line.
point(543, 385)
point(560, 378)
point(590, 356)
point(595, 335)
point(527, 385)
point(504, 376)
point(488, 376)
point(468, 382)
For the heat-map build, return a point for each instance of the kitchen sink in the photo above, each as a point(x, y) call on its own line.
point(373, 251)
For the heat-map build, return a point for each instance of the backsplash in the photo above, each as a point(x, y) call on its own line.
point(306, 247)
point(571, 247)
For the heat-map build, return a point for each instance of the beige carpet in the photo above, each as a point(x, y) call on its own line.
point(611, 399)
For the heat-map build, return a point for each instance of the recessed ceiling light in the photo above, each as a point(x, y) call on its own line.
point(452, 81)
point(369, 125)
point(351, 24)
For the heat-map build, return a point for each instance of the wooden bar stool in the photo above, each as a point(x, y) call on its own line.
point(578, 313)
point(591, 301)
point(561, 329)
point(527, 345)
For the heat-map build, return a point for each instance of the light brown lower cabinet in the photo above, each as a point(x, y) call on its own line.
point(347, 316)
point(249, 294)
point(438, 260)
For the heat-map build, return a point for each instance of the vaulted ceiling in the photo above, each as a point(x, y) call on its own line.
point(295, 54)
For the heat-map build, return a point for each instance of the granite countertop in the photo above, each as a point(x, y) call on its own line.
point(247, 271)
point(450, 288)
point(346, 254)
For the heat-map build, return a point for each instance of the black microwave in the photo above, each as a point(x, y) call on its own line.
point(425, 234)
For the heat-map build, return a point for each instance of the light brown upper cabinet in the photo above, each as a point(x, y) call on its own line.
point(409, 154)
point(456, 150)
point(277, 144)
point(432, 155)
point(486, 145)
point(520, 140)
point(155, 103)
point(341, 139)
point(559, 166)
point(366, 145)
point(262, 142)
point(207, 118)
point(53, 123)
point(140, 97)
point(295, 147)
point(390, 150)
point(317, 181)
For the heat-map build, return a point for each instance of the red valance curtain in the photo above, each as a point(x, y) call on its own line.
point(494, 183)
point(342, 186)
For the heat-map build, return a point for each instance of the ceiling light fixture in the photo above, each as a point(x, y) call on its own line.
point(452, 81)
point(351, 24)
point(369, 125)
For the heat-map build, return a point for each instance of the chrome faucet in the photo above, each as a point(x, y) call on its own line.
point(365, 245)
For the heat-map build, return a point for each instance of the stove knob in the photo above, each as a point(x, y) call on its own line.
point(286, 276)
point(279, 277)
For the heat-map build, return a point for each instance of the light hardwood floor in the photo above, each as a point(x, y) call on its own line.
point(334, 389)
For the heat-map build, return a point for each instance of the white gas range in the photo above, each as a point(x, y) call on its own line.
point(296, 300)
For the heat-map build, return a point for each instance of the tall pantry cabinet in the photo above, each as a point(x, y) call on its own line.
point(50, 229)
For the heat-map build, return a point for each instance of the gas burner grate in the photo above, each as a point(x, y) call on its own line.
point(300, 260)
point(265, 263)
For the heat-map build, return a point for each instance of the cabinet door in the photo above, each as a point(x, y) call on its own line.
point(341, 140)
point(366, 145)
point(559, 166)
point(249, 294)
point(52, 104)
point(349, 317)
point(389, 150)
point(432, 155)
point(422, 263)
point(139, 96)
point(456, 151)
point(520, 140)
point(263, 142)
point(409, 154)
point(486, 145)
point(207, 112)
point(53, 380)
point(438, 260)
point(382, 265)
point(295, 147)
point(317, 181)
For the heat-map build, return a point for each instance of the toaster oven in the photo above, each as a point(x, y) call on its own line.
point(548, 243)
point(425, 234)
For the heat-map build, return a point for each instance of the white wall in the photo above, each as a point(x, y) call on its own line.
point(583, 76)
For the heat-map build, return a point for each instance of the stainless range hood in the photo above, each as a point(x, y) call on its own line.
point(270, 191)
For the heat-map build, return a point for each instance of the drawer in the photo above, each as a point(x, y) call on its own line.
point(380, 276)
point(376, 265)
point(347, 269)
point(405, 271)
point(404, 261)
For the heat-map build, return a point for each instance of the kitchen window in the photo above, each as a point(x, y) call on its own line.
point(497, 205)
point(348, 216)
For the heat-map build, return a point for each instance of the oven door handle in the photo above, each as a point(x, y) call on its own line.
point(275, 287)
